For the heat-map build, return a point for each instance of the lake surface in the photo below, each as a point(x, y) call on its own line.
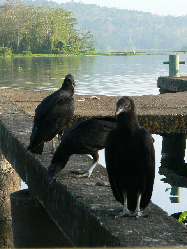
point(103, 75)
point(108, 75)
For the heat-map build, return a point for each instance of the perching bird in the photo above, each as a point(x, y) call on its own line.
point(52, 115)
point(85, 137)
point(130, 160)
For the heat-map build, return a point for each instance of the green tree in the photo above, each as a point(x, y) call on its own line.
point(41, 30)
point(14, 23)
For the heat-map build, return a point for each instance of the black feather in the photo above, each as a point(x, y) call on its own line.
point(52, 115)
point(85, 137)
point(130, 157)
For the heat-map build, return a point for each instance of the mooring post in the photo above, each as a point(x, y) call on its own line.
point(174, 65)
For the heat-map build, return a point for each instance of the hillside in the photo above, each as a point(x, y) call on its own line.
point(124, 30)
point(119, 30)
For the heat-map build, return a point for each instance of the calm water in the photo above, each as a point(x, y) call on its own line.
point(104, 75)
point(109, 75)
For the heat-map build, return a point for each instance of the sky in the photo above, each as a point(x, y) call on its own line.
point(160, 7)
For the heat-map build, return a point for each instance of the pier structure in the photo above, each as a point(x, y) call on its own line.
point(174, 82)
point(83, 208)
point(174, 144)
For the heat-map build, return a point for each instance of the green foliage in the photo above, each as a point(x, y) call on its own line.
point(46, 26)
point(4, 51)
point(183, 218)
point(28, 53)
point(41, 30)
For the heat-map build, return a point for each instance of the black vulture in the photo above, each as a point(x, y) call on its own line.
point(85, 137)
point(52, 115)
point(130, 160)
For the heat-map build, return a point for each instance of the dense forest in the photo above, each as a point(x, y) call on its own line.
point(112, 29)
point(41, 29)
point(125, 30)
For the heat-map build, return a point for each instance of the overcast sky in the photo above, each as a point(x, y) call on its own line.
point(160, 7)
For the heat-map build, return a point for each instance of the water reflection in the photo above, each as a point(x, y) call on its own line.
point(170, 164)
point(108, 75)
point(39, 73)
point(173, 165)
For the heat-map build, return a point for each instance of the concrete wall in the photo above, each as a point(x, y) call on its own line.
point(82, 208)
point(172, 84)
point(81, 226)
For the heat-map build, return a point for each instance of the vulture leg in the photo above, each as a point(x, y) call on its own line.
point(92, 167)
point(53, 145)
point(138, 212)
point(89, 170)
point(125, 211)
point(59, 138)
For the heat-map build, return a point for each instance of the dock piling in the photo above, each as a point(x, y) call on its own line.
point(174, 65)
point(173, 83)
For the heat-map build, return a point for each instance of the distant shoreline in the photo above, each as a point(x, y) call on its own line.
point(121, 53)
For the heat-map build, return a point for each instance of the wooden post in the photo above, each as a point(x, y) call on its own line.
point(174, 65)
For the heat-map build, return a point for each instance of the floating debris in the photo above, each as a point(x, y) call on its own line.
point(82, 99)
point(95, 97)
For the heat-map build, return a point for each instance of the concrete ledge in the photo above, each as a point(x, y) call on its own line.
point(172, 84)
point(82, 208)
point(160, 124)
point(71, 215)
point(164, 113)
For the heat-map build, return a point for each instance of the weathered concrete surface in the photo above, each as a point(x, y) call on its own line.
point(81, 207)
point(9, 182)
point(172, 84)
point(164, 113)
point(31, 224)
